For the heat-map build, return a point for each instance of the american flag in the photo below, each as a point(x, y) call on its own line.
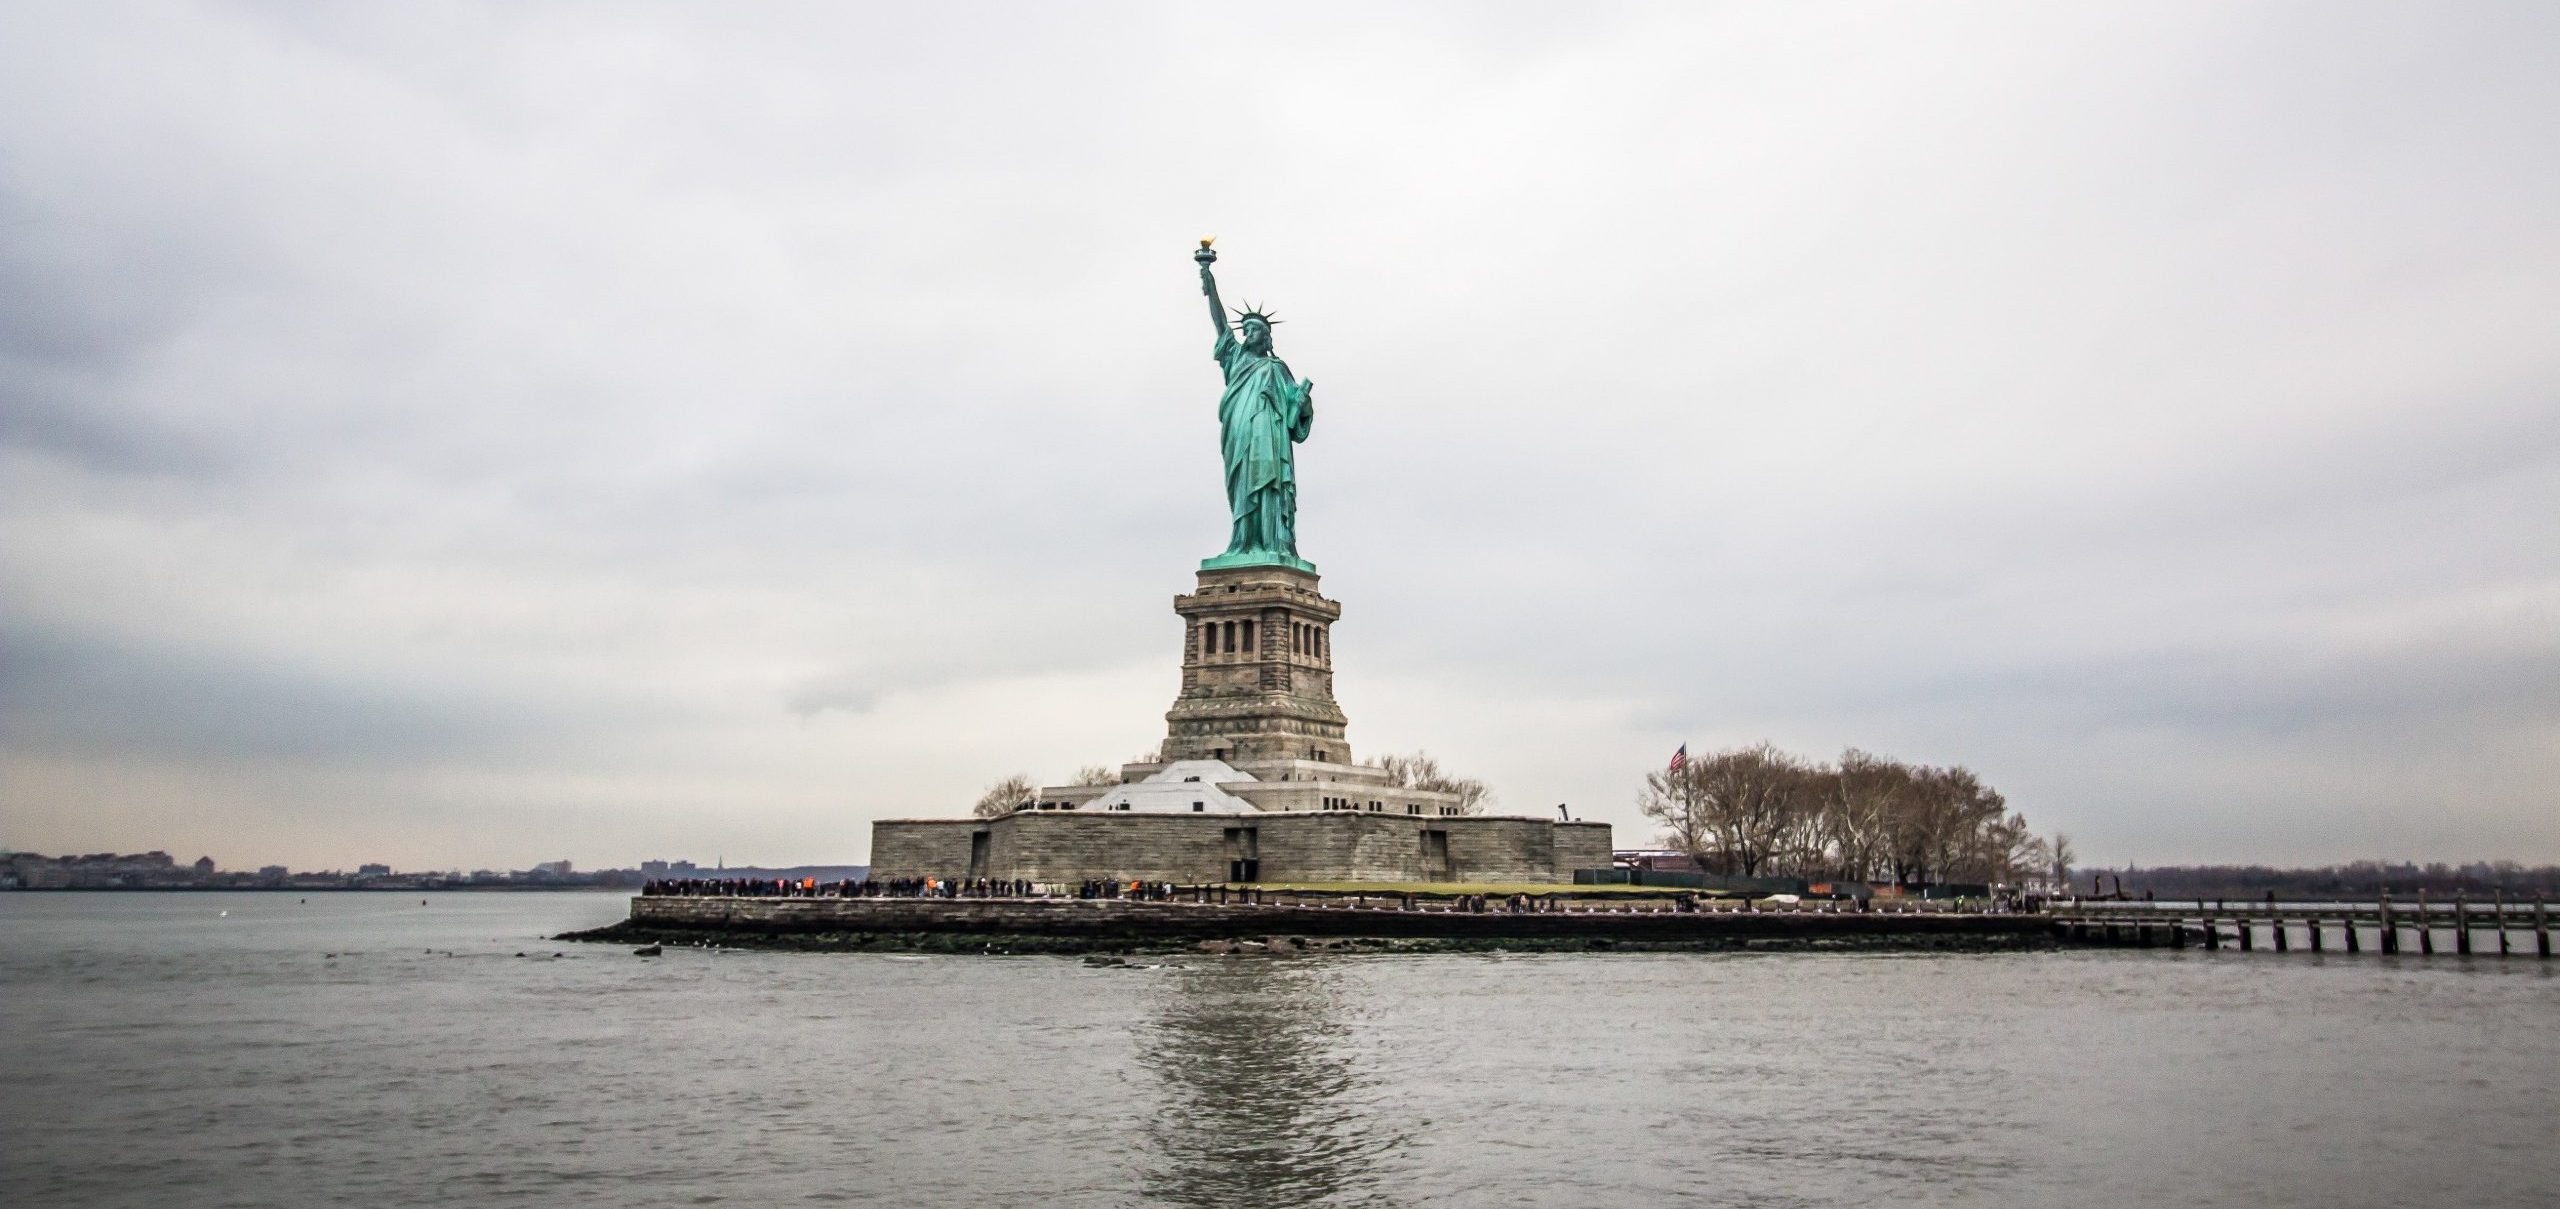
point(1680, 758)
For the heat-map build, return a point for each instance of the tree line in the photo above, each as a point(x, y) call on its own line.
point(1420, 770)
point(1762, 812)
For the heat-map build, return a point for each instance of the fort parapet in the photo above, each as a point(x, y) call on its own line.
point(1191, 849)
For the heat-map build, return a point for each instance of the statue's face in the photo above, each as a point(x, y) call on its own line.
point(1256, 336)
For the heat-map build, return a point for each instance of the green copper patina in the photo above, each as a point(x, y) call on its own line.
point(1263, 412)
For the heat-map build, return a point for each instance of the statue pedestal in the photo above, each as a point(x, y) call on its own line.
point(1257, 669)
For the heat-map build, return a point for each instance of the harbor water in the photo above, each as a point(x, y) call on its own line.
point(275, 1049)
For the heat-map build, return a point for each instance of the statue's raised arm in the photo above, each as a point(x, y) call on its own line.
point(1209, 285)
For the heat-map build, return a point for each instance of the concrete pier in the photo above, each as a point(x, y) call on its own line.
point(2100, 922)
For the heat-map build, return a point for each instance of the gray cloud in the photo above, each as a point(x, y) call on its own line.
point(67, 694)
point(712, 429)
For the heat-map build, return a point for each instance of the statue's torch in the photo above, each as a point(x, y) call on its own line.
point(1206, 255)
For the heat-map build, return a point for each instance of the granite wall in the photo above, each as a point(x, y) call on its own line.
point(1582, 844)
point(1065, 847)
point(1315, 846)
point(921, 847)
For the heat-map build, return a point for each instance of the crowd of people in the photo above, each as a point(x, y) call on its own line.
point(1153, 892)
point(911, 887)
point(810, 887)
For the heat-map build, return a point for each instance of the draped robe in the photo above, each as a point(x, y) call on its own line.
point(1263, 412)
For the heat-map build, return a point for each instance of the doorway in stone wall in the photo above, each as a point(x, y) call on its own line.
point(1435, 857)
point(977, 854)
point(1244, 854)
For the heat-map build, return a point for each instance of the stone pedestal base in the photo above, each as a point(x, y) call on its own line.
point(1257, 670)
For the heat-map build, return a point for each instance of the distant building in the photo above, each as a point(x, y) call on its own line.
point(373, 871)
point(204, 866)
point(554, 868)
point(99, 871)
point(653, 868)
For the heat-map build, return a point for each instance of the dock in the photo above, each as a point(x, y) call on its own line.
point(2461, 927)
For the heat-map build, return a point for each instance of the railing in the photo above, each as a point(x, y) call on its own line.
point(2469, 927)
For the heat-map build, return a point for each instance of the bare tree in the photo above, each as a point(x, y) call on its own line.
point(2008, 850)
point(1399, 768)
point(1096, 774)
point(2033, 856)
point(1758, 810)
point(1738, 810)
point(1754, 797)
point(1005, 796)
point(1420, 771)
point(1675, 799)
point(1944, 831)
point(2060, 853)
point(1856, 800)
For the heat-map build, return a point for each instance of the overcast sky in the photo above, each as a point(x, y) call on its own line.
point(465, 437)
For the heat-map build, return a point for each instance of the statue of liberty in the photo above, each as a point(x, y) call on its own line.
point(1263, 412)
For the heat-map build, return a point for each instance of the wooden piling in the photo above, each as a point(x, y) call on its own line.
point(2275, 924)
point(2500, 907)
point(2312, 925)
point(2461, 928)
point(2212, 933)
point(2248, 935)
point(2390, 929)
point(2541, 927)
point(2354, 943)
point(2426, 928)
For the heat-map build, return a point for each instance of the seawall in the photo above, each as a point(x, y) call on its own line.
point(1109, 924)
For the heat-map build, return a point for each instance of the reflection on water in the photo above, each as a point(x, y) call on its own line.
point(1263, 1100)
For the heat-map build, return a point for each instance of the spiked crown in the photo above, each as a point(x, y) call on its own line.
point(1251, 311)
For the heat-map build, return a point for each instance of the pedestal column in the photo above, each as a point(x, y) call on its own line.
point(1257, 670)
